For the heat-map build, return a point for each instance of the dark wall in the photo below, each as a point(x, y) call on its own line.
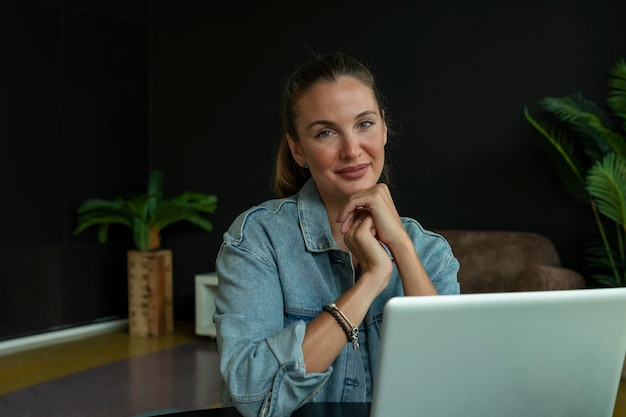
point(78, 119)
point(74, 124)
point(457, 75)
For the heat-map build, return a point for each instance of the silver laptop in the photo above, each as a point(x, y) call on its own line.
point(522, 354)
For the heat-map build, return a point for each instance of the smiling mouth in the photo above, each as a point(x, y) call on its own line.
point(356, 171)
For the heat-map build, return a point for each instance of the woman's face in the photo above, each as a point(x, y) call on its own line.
point(342, 137)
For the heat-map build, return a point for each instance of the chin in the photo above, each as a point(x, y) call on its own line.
point(358, 186)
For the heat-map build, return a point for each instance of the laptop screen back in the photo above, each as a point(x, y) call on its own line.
point(547, 353)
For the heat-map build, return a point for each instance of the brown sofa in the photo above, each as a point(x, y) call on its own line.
point(500, 261)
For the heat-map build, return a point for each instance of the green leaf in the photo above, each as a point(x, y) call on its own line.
point(141, 234)
point(201, 222)
point(99, 204)
point(196, 201)
point(588, 120)
point(617, 94)
point(98, 218)
point(137, 207)
point(606, 183)
point(155, 192)
point(147, 213)
point(103, 232)
point(589, 151)
point(570, 168)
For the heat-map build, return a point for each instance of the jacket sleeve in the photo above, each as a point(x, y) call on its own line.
point(261, 358)
point(437, 257)
point(445, 280)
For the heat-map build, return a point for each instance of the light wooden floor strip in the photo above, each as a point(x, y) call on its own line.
point(27, 368)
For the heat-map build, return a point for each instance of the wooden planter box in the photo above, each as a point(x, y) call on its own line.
point(150, 306)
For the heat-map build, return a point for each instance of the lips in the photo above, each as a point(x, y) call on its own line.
point(352, 172)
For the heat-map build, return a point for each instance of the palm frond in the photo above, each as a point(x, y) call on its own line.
point(607, 280)
point(603, 170)
point(570, 168)
point(604, 250)
point(606, 183)
point(585, 118)
point(614, 140)
point(617, 94)
point(597, 256)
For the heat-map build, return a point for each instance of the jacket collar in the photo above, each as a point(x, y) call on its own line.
point(313, 219)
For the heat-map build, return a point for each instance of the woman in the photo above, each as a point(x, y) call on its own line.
point(303, 279)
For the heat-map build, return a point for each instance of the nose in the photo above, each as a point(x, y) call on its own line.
point(350, 146)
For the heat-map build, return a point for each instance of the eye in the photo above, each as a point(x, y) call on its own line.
point(365, 124)
point(324, 133)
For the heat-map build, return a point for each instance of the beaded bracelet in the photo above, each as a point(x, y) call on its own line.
point(337, 317)
point(352, 335)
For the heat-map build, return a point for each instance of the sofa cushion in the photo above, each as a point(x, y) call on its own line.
point(544, 277)
point(492, 260)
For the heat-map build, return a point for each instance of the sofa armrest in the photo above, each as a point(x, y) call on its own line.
point(544, 277)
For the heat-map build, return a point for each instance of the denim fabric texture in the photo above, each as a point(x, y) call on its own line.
point(277, 267)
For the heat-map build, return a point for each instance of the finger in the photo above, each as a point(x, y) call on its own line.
point(368, 221)
point(356, 221)
point(359, 212)
point(350, 211)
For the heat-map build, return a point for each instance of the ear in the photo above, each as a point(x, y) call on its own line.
point(385, 127)
point(385, 133)
point(296, 150)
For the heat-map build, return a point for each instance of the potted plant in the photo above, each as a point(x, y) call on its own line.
point(150, 307)
point(589, 147)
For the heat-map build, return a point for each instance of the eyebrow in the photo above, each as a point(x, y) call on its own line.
point(329, 123)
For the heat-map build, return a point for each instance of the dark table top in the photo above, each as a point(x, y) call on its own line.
point(307, 410)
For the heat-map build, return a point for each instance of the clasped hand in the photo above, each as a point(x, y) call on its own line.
point(368, 219)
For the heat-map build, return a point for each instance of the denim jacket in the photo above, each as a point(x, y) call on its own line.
point(277, 267)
